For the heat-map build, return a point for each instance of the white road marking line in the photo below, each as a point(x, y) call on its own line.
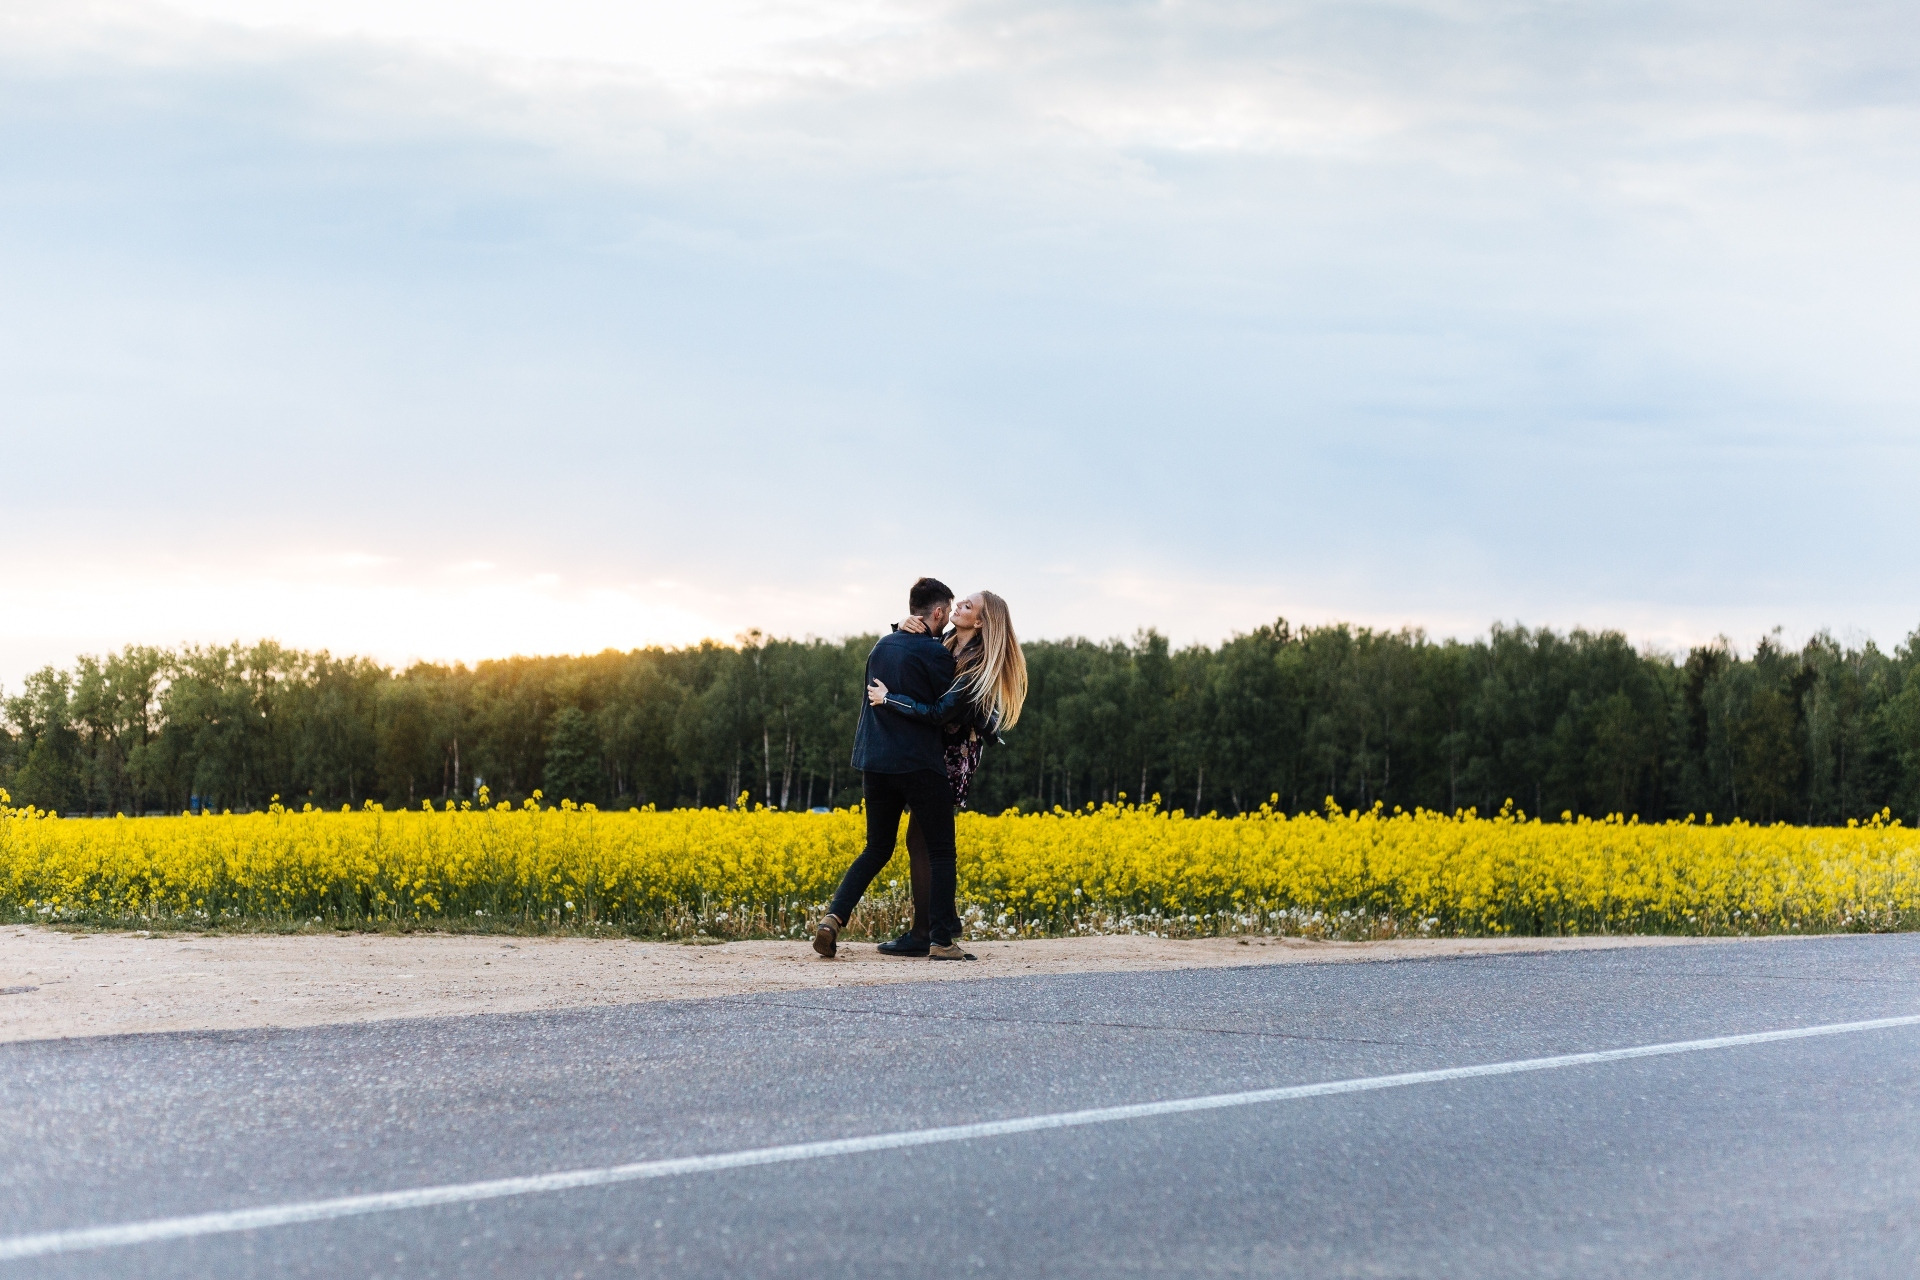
point(13, 1248)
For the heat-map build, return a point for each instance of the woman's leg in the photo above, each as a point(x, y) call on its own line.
point(920, 876)
point(931, 800)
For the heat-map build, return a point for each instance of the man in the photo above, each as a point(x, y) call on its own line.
point(903, 768)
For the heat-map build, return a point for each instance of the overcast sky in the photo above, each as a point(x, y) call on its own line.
point(424, 329)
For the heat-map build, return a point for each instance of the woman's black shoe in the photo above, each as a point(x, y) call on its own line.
point(904, 945)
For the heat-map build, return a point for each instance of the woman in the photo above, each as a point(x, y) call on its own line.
point(990, 684)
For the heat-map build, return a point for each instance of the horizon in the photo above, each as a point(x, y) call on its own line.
point(1735, 646)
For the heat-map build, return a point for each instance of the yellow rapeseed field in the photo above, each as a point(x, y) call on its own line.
point(753, 872)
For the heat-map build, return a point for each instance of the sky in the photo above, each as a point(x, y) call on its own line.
point(447, 331)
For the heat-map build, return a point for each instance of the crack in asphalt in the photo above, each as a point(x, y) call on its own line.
point(1770, 977)
point(1083, 1022)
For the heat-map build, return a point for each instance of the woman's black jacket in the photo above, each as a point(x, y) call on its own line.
point(955, 707)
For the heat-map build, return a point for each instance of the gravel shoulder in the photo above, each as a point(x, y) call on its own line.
point(55, 985)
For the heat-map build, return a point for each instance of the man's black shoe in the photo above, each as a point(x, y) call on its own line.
point(904, 945)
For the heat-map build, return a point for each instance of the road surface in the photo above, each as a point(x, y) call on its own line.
point(1795, 1157)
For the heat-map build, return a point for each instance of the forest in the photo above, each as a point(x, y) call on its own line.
point(1579, 723)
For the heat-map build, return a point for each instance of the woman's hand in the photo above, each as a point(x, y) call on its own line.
point(914, 625)
point(876, 693)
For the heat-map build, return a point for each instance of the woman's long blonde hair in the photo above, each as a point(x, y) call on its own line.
point(993, 667)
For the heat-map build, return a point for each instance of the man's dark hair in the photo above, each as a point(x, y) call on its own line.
point(927, 593)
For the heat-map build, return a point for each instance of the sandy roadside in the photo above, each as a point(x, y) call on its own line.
point(55, 984)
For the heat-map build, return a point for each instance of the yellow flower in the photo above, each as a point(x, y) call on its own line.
point(1111, 868)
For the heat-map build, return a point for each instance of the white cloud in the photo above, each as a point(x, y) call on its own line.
point(676, 43)
point(1181, 315)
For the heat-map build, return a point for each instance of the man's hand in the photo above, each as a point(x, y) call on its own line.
point(914, 625)
point(877, 692)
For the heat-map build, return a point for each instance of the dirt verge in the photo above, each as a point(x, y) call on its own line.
point(55, 984)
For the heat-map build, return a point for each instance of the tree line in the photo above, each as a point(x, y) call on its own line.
point(1578, 722)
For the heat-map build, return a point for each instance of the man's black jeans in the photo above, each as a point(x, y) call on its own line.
point(889, 795)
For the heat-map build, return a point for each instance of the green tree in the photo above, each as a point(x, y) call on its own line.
point(573, 758)
point(48, 774)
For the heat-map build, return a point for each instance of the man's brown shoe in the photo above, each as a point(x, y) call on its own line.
point(948, 951)
point(826, 937)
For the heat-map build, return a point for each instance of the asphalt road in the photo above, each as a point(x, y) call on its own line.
point(1796, 1158)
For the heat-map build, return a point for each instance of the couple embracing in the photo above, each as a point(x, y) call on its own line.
point(936, 694)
